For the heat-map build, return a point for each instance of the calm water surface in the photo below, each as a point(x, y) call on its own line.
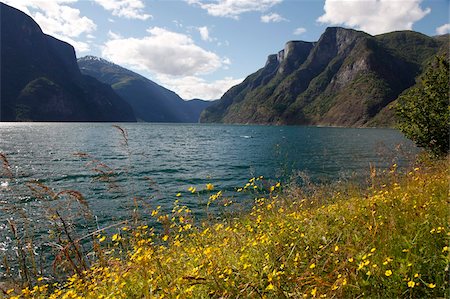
point(164, 159)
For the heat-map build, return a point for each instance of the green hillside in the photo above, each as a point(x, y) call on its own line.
point(41, 81)
point(347, 78)
point(150, 101)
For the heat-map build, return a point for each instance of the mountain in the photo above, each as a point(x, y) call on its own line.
point(41, 81)
point(150, 101)
point(346, 78)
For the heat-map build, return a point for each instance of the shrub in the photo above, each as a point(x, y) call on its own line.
point(424, 110)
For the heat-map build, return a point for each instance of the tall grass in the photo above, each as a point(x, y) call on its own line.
point(50, 234)
point(388, 240)
point(61, 213)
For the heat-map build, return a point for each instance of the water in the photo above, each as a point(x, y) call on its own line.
point(164, 159)
point(161, 160)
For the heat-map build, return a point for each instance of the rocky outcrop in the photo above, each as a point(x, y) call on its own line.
point(346, 78)
point(293, 55)
point(41, 81)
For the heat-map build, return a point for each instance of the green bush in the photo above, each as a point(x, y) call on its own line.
point(424, 110)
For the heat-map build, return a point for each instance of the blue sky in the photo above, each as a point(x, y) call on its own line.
point(200, 48)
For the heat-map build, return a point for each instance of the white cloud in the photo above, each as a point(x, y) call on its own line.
point(113, 35)
point(129, 9)
point(443, 29)
point(163, 52)
point(224, 43)
point(273, 17)
point(204, 33)
point(178, 24)
point(66, 22)
point(233, 8)
point(204, 90)
point(58, 19)
point(373, 16)
point(80, 47)
point(299, 31)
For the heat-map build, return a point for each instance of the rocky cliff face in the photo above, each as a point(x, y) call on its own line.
point(41, 81)
point(293, 55)
point(150, 101)
point(346, 78)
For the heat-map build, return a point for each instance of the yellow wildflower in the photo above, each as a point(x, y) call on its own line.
point(360, 266)
point(431, 285)
point(207, 251)
point(312, 266)
point(411, 284)
point(270, 287)
point(388, 273)
point(209, 186)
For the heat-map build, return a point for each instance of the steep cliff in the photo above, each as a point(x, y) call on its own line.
point(150, 101)
point(346, 78)
point(41, 81)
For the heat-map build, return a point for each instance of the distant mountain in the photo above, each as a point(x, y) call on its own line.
point(41, 81)
point(150, 101)
point(347, 78)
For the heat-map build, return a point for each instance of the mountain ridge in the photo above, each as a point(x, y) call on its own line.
point(41, 81)
point(150, 101)
point(346, 78)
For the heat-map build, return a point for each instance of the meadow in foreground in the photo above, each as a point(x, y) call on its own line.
point(386, 241)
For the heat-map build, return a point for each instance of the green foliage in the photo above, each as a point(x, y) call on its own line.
point(412, 46)
point(424, 111)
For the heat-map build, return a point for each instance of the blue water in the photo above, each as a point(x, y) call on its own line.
point(161, 160)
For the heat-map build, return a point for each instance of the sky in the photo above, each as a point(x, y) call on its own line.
point(201, 48)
